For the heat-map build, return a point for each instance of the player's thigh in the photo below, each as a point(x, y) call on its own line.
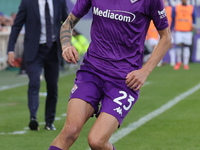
point(78, 112)
point(103, 127)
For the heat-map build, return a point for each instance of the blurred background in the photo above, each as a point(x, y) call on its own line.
point(175, 128)
point(8, 10)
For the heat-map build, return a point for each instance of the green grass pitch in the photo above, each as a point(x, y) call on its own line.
point(178, 128)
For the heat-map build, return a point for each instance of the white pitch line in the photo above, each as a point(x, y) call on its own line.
point(13, 133)
point(6, 87)
point(133, 126)
point(42, 123)
point(2, 88)
point(27, 128)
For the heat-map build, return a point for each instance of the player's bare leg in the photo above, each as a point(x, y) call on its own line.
point(101, 132)
point(78, 113)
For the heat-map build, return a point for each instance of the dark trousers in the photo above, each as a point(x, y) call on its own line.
point(46, 59)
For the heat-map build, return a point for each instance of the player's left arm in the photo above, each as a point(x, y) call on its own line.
point(136, 79)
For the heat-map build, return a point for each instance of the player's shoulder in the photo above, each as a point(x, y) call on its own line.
point(152, 3)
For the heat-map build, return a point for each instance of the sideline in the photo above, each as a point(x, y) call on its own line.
point(27, 128)
point(7, 87)
point(62, 116)
point(133, 126)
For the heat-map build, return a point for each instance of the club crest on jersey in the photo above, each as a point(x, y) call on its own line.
point(133, 1)
point(119, 15)
point(74, 88)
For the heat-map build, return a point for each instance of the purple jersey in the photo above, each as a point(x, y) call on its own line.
point(118, 32)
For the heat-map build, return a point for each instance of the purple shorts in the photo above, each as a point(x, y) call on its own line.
point(115, 97)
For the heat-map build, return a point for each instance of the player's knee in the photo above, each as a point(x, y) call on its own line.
point(70, 133)
point(95, 142)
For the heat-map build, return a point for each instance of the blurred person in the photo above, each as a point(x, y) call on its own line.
point(184, 23)
point(2, 20)
point(172, 52)
point(111, 72)
point(12, 18)
point(152, 35)
point(152, 39)
point(80, 42)
point(5, 20)
point(1, 23)
point(42, 49)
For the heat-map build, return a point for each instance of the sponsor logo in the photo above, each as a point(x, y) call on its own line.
point(115, 14)
point(74, 88)
point(162, 13)
point(119, 110)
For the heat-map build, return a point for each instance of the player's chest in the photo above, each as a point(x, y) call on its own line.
point(122, 10)
point(123, 5)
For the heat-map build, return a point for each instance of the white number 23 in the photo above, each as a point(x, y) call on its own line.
point(123, 97)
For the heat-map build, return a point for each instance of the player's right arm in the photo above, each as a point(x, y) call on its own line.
point(70, 54)
point(136, 78)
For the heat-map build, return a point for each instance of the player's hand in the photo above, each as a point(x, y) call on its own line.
point(136, 79)
point(11, 58)
point(70, 54)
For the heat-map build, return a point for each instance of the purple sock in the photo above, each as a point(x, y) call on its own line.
point(114, 148)
point(54, 148)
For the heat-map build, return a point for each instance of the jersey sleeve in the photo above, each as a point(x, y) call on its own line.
point(81, 8)
point(158, 14)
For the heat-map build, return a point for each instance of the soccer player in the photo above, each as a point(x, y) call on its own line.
point(111, 72)
point(184, 21)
